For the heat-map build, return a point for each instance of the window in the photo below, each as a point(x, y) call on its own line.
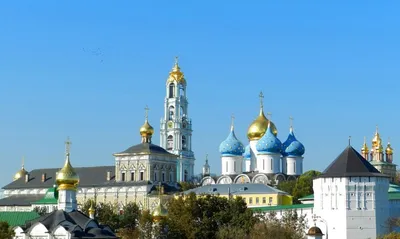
point(183, 142)
point(264, 201)
point(163, 177)
point(263, 164)
point(132, 176)
point(181, 113)
point(170, 177)
point(171, 91)
point(270, 200)
point(234, 166)
point(226, 166)
point(171, 112)
point(141, 176)
point(170, 142)
point(186, 176)
point(250, 200)
point(271, 163)
point(122, 176)
point(257, 200)
point(155, 176)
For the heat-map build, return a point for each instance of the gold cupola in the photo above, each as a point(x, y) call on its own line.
point(260, 124)
point(376, 139)
point(389, 149)
point(160, 211)
point(364, 148)
point(21, 173)
point(67, 178)
point(379, 147)
point(146, 131)
point(176, 75)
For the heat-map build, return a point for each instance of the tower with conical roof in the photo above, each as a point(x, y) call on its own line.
point(67, 181)
point(176, 126)
point(206, 168)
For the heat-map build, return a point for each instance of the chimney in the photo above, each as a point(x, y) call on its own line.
point(108, 175)
point(27, 178)
point(43, 177)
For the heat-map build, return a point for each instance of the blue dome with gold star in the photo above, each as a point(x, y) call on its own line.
point(231, 146)
point(292, 147)
point(247, 153)
point(269, 143)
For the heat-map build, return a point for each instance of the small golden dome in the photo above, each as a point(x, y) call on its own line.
point(376, 139)
point(159, 212)
point(314, 231)
point(389, 149)
point(365, 149)
point(67, 178)
point(379, 147)
point(259, 126)
point(91, 209)
point(146, 129)
point(21, 173)
point(176, 75)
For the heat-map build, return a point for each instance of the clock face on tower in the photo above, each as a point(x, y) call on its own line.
point(170, 124)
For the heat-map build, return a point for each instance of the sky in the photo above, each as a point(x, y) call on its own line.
point(87, 69)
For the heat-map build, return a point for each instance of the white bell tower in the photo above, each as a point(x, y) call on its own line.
point(176, 126)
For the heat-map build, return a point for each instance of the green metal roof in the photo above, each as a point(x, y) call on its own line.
point(283, 207)
point(308, 197)
point(50, 197)
point(17, 218)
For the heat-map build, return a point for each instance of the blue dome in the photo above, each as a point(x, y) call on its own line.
point(269, 143)
point(247, 153)
point(231, 146)
point(292, 147)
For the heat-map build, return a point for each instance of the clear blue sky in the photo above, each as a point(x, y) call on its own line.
point(86, 69)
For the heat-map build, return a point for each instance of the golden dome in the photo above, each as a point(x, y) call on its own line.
point(21, 173)
point(159, 212)
point(91, 209)
point(176, 75)
point(146, 129)
point(376, 139)
point(259, 126)
point(67, 178)
point(379, 147)
point(389, 149)
point(365, 149)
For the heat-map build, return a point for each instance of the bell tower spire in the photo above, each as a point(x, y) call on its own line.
point(176, 126)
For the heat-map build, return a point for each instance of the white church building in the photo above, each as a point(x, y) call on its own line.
point(351, 200)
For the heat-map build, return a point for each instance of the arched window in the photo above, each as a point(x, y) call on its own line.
point(170, 142)
point(186, 176)
point(183, 142)
point(171, 91)
point(181, 91)
point(181, 112)
point(171, 112)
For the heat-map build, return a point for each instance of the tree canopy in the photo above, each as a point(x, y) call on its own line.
point(301, 187)
point(6, 231)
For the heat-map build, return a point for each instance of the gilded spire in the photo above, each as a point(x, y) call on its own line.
point(364, 148)
point(91, 210)
point(176, 76)
point(389, 149)
point(146, 131)
point(67, 178)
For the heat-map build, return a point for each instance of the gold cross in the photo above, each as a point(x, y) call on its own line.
point(23, 161)
point(146, 112)
point(261, 95)
point(67, 146)
point(176, 60)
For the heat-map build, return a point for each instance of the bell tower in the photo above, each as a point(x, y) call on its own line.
point(176, 126)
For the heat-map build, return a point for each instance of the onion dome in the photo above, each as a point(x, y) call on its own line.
point(314, 231)
point(247, 152)
point(376, 139)
point(389, 149)
point(292, 147)
point(91, 210)
point(269, 143)
point(21, 173)
point(231, 146)
point(146, 129)
point(67, 178)
point(159, 212)
point(379, 147)
point(176, 75)
point(364, 148)
point(259, 126)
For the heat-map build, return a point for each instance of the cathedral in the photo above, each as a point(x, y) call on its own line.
point(136, 171)
point(264, 160)
point(381, 159)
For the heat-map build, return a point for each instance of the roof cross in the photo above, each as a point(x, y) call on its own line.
point(261, 95)
point(67, 146)
point(146, 112)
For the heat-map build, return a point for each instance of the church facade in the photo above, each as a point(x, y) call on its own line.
point(264, 160)
point(136, 171)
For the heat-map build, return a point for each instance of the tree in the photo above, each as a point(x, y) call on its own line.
point(146, 226)
point(290, 226)
point(184, 186)
point(6, 231)
point(128, 221)
point(106, 214)
point(40, 210)
point(392, 235)
point(203, 217)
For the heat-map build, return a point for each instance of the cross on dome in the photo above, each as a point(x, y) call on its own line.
point(67, 146)
point(146, 112)
point(232, 121)
point(261, 95)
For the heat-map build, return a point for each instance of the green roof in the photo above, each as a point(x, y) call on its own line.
point(308, 197)
point(283, 207)
point(49, 198)
point(394, 196)
point(18, 218)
